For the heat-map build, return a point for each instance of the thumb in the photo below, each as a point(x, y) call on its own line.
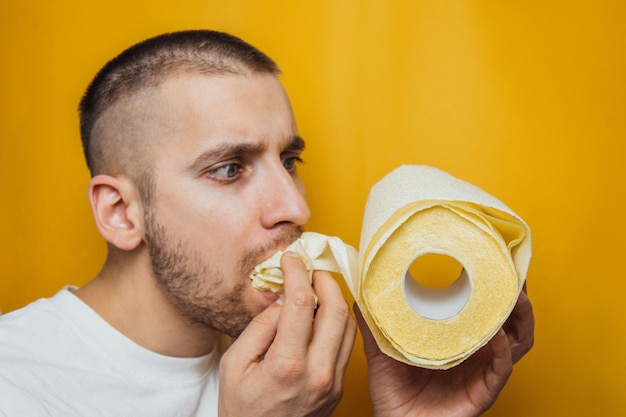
point(252, 344)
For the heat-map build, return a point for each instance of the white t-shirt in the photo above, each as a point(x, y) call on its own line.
point(59, 358)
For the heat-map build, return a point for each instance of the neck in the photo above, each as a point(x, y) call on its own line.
point(126, 295)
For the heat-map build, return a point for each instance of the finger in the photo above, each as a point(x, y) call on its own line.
point(347, 345)
point(520, 327)
point(345, 352)
point(330, 319)
point(369, 343)
point(296, 318)
point(501, 364)
point(253, 342)
point(334, 328)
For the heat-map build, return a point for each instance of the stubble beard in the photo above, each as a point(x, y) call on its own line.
point(195, 288)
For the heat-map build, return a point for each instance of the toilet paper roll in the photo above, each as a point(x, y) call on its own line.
point(414, 211)
point(419, 210)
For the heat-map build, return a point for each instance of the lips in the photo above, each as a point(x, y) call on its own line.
point(269, 295)
point(279, 243)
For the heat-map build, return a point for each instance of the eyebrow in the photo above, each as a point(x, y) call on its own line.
point(297, 144)
point(229, 150)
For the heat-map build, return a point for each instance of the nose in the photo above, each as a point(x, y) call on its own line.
point(283, 199)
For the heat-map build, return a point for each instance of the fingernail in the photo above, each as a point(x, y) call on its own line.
point(280, 300)
point(291, 254)
point(501, 332)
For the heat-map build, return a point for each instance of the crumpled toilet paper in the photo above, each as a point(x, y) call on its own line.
point(417, 210)
point(317, 251)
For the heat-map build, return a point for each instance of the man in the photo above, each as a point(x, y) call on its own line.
point(193, 150)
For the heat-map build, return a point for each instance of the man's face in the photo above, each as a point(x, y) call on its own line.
point(226, 194)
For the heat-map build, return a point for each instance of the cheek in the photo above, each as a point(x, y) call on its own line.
point(219, 226)
point(199, 216)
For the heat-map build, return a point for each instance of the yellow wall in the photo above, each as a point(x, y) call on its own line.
point(523, 98)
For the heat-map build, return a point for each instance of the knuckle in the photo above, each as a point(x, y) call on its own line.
point(323, 383)
point(290, 371)
point(342, 311)
point(304, 298)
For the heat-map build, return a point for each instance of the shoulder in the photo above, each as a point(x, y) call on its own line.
point(31, 336)
point(17, 402)
point(32, 319)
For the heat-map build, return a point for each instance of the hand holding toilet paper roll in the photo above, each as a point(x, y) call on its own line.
point(416, 211)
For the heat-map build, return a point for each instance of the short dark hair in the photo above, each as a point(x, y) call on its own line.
point(150, 62)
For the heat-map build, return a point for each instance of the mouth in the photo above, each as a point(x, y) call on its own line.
point(263, 254)
point(269, 295)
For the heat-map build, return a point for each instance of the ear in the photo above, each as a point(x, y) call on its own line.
point(118, 210)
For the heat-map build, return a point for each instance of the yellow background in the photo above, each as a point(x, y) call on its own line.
point(524, 98)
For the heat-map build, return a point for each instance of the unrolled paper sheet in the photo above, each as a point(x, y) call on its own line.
point(414, 211)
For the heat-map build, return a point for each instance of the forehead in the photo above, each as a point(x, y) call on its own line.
point(209, 109)
point(210, 101)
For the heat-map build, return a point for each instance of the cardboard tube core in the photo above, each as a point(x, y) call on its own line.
point(437, 303)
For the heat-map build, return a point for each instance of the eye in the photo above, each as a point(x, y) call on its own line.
point(226, 172)
point(291, 163)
